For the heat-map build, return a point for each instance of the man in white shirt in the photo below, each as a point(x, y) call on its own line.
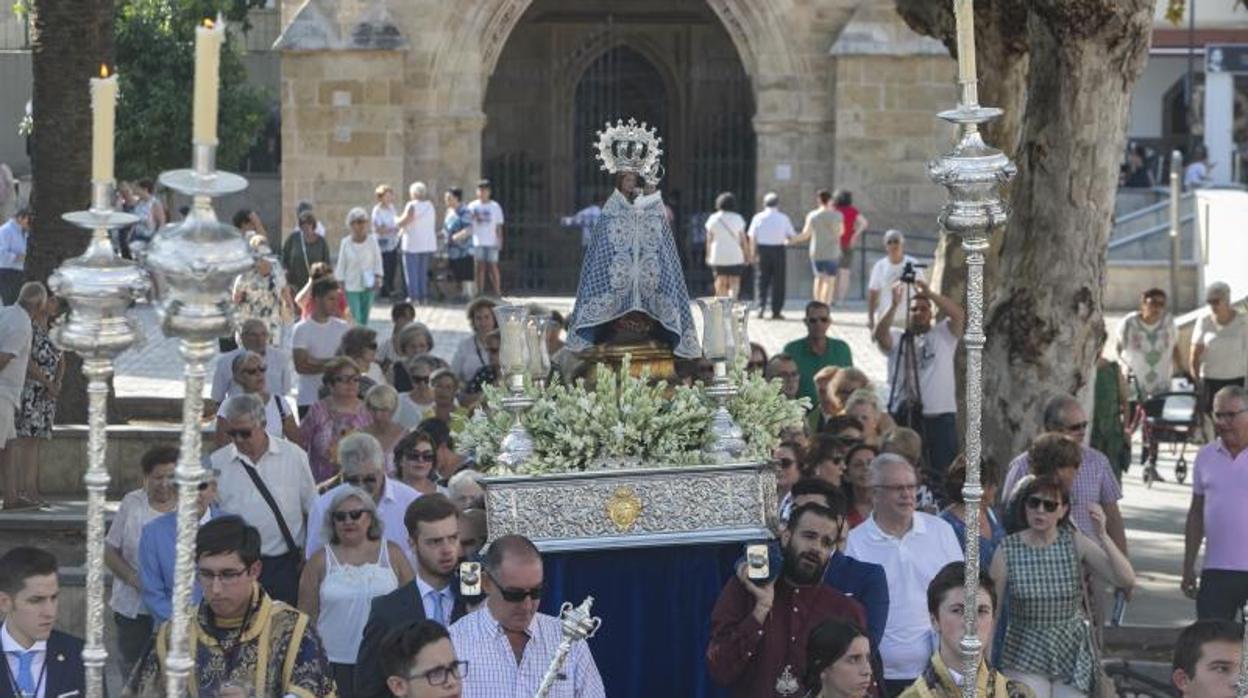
point(39, 662)
point(507, 642)
point(13, 238)
point(253, 336)
point(15, 337)
point(769, 232)
point(315, 341)
point(886, 272)
point(912, 547)
point(487, 236)
point(363, 466)
point(254, 464)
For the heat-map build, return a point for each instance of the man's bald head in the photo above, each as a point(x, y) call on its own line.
point(509, 548)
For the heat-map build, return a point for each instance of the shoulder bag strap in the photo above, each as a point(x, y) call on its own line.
point(268, 499)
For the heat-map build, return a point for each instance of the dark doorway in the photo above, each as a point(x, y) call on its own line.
point(568, 67)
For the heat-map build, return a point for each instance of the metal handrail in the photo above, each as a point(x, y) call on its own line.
point(1148, 232)
point(1150, 209)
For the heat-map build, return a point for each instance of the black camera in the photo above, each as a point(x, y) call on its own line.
point(908, 274)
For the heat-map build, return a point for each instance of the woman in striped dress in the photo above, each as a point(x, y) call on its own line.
point(1049, 642)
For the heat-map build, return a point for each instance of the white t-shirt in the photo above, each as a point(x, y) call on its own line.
point(724, 231)
point(1226, 347)
point(420, 235)
point(771, 227)
point(934, 352)
point(883, 275)
point(486, 217)
point(127, 528)
point(321, 341)
point(15, 338)
point(383, 221)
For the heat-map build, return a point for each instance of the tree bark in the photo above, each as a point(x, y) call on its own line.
point(71, 38)
point(1045, 326)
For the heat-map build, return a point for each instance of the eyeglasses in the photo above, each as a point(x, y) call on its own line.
point(371, 345)
point(899, 489)
point(426, 456)
point(1228, 416)
point(516, 595)
point(783, 462)
point(892, 242)
point(422, 380)
point(1035, 503)
point(356, 480)
point(354, 515)
point(819, 320)
point(1077, 426)
point(353, 378)
point(1213, 301)
point(239, 433)
point(207, 577)
point(1155, 302)
point(441, 675)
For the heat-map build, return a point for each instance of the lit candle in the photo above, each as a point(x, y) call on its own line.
point(208, 40)
point(103, 116)
point(512, 353)
point(964, 14)
point(715, 332)
point(535, 337)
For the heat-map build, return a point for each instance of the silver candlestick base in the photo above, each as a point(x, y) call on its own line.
point(99, 288)
point(577, 625)
point(727, 441)
point(518, 444)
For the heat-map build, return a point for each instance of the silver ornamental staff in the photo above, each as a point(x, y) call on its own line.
point(577, 625)
point(973, 173)
point(1242, 689)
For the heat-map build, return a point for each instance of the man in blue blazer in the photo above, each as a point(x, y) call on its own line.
point(432, 524)
point(38, 661)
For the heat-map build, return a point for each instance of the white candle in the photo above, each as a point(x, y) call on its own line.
point(964, 14)
point(535, 337)
point(715, 332)
point(103, 116)
point(512, 352)
point(208, 40)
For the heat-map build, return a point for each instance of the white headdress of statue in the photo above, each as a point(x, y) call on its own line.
point(631, 147)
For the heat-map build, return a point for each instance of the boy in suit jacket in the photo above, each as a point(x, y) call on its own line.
point(38, 661)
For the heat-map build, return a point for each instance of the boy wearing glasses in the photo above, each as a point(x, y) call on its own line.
point(419, 662)
point(232, 621)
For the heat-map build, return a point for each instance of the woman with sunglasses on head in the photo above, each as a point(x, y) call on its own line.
point(838, 661)
point(415, 456)
point(360, 345)
point(249, 370)
point(341, 580)
point(417, 403)
point(333, 416)
point(1049, 644)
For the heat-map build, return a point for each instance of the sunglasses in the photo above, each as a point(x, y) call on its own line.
point(239, 433)
point(203, 486)
point(820, 320)
point(1035, 503)
point(892, 242)
point(419, 455)
point(422, 380)
point(356, 480)
point(254, 371)
point(1158, 302)
point(784, 462)
point(516, 595)
point(354, 378)
point(1078, 426)
point(354, 515)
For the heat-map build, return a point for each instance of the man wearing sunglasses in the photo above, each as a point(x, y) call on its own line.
point(253, 336)
point(507, 642)
point(816, 350)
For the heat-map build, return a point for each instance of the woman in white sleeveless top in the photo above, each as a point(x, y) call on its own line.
point(727, 253)
point(341, 580)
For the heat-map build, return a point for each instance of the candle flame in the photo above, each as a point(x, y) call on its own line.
point(103, 70)
point(208, 23)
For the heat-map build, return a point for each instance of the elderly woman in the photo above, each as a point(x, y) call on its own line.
point(1049, 643)
point(857, 482)
point(419, 224)
point(412, 341)
point(465, 489)
point(991, 531)
point(838, 661)
point(334, 416)
point(360, 345)
point(826, 460)
point(946, 605)
point(417, 403)
point(445, 392)
point(260, 293)
point(385, 230)
point(415, 456)
point(382, 403)
point(864, 405)
point(121, 550)
point(37, 408)
point(471, 354)
point(359, 266)
point(1219, 345)
point(341, 580)
point(248, 369)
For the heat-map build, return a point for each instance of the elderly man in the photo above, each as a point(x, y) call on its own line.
point(267, 481)
point(363, 466)
point(1094, 482)
point(248, 369)
point(886, 272)
point(13, 237)
point(769, 233)
point(432, 525)
point(15, 338)
point(253, 335)
point(783, 366)
point(507, 642)
point(922, 385)
point(752, 649)
point(912, 547)
point(158, 549)
point(1218, 514)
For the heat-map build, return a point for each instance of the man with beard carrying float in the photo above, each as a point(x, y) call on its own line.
point(759, 631)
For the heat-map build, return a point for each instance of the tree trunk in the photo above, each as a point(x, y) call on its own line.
point(71, 38)
point(1045, 327)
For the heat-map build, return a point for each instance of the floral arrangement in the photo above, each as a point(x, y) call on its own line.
point(627, 421)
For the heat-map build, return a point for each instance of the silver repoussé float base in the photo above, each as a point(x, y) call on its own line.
point(194, 263)
point(99, 287)
point(637, 507)
point(973, 173)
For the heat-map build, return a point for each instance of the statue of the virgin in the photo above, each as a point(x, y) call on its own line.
point(632, 289)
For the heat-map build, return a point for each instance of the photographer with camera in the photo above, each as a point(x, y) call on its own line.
point(922, 393)
point(886, 272)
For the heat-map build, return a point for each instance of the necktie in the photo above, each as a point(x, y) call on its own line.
point(439, 613)
point(25, 675)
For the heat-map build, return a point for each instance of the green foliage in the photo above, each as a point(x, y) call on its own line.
point(155, 48)
point(1175, 9)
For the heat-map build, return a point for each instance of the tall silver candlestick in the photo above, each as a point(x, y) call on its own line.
point(719, 346)
point(1241, 690)
point(578, 625)
point(194, 263)
point(973, 173)
point(99, 287)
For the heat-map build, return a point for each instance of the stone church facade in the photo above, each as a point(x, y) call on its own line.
point(751, 95)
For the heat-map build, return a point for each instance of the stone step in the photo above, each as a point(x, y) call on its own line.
point(61, 529)
point(63, 459)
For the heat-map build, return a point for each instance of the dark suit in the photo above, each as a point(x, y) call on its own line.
point(64, 675)
point(866, 583)
point(397, 609)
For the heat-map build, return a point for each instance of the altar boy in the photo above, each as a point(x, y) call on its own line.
point(38, 661)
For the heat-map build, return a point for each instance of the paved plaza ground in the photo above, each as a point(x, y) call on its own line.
point(1154, 516)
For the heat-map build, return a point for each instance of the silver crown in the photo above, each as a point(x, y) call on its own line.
point(630, 147)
